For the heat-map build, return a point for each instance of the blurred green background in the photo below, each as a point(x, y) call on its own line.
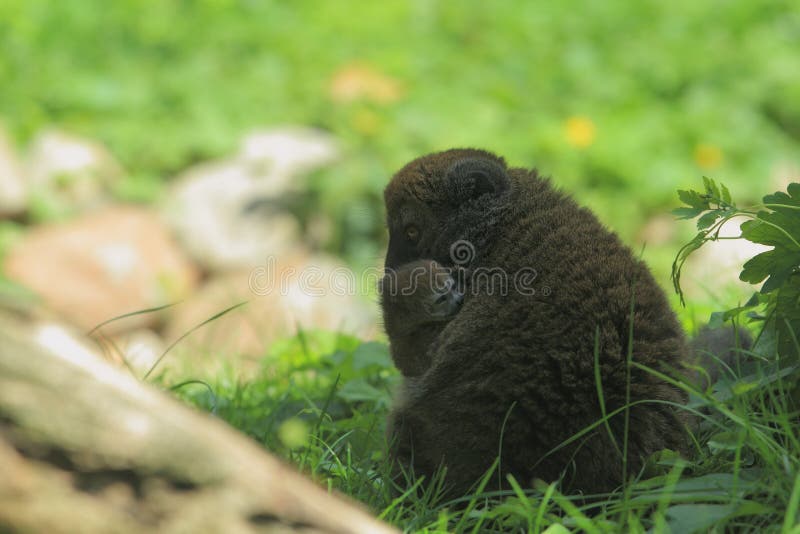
point(621, 102)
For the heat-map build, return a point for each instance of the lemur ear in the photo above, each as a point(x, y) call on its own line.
point(471, 178)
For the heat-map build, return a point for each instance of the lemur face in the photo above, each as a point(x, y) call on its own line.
point(417, 293)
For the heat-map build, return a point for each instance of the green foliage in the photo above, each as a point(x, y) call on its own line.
point(774, 223)
point(321, 400)
point(663, 90)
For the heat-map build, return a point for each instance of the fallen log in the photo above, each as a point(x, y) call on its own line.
point(85, 447)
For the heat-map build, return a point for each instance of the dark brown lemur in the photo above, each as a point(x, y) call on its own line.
point(418, 299)
point(513, 373)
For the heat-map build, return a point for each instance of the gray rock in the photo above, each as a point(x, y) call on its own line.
point(69, 173)
point(292, 292)
point(231, 214)
point(105, 264)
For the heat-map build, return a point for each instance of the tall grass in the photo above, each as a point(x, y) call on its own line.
point(742, 475)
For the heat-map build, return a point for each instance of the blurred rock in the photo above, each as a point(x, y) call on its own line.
point(235, 213)
point(716, 266)
point(209, 213)
point(13, 193)
point(284, 295)
point(103, 265)
point(284, 153)
point(68, 173)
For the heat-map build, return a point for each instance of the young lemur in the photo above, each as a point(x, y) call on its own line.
point(512, 373)
point(418, 299)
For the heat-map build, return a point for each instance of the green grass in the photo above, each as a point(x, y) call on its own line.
point(321, 401)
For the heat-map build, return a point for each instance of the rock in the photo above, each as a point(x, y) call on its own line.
point(287, 152)
point(283, 295)
point(13, 193)
point(102, 265)
point(208, 211)
point(68, 173)
point(233, 214)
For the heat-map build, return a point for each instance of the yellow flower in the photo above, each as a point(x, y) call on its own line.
point(356, 81)
point(580, 131)
point(707, 156)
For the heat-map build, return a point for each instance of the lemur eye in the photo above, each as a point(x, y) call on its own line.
point(412, 233)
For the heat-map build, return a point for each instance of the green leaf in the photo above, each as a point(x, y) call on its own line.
point(743, 386)
point(710, 486)
point(718, 319)
point(757, 268)
point(773, 264)
point(693, 199)
point(556, 528)
point(693, 245)
point(711, 187)
point(684, 253)
point(774, 230)
point(790, 199)
point(726, 194)
point(360, 390)
point(370, 354)
point(690, 518)
point(787, 317)
point(725, 441)
point(687, 213)
point(708, 220)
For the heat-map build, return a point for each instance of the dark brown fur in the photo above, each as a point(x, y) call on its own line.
point(522, 365)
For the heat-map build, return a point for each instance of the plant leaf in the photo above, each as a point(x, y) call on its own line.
point(787, 315)
point(701, 517)
point(726, 194)
point(773, 264)
point(711, 187)
point(708, 220)
point(371, 353)
point(359, 390)
point(693, 199)
point(687, 213)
